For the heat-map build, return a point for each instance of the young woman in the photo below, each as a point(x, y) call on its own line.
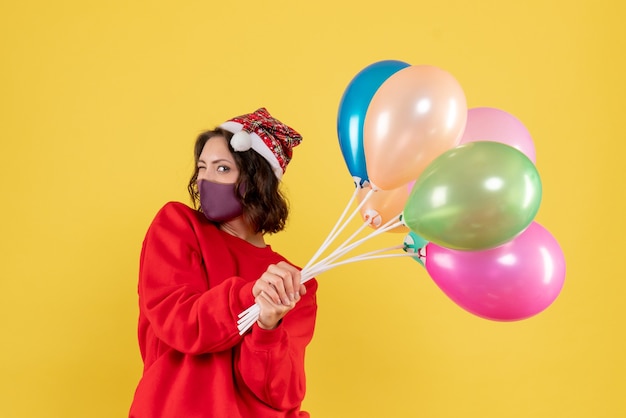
point(201, 267)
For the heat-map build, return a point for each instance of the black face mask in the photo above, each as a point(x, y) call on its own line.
point(219, 202)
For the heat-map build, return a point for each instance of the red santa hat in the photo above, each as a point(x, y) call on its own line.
point(268, 136)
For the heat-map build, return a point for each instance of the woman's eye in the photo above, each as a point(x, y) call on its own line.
point(223, 169)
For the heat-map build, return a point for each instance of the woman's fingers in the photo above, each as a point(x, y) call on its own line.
point(271, 313)
point(281, 277)
point(276, 292)
point(280, 283)
point(285, 280)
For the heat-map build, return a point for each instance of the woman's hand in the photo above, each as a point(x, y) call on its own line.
point(276, 292)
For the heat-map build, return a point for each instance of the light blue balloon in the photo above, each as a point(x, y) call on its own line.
point(352, 111)
point(413, 244)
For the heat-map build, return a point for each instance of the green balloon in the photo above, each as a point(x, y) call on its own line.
point(476, 196)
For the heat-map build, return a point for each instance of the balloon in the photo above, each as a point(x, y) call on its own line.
point(413, 243)
point(383, 205)
point(352, 108)
point(511, 282)
point(489, 124)
point(475, 196)
point(416, 114)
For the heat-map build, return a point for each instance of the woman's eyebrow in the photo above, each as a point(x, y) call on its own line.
point(221, 160)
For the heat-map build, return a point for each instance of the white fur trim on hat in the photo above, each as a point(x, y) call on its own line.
point(240, 140)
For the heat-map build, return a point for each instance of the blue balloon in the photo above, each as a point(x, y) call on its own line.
point(352, 110)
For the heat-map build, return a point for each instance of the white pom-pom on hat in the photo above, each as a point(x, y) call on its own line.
point(241, 141)
point(266, 135)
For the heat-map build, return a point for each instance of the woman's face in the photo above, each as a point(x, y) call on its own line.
point(216, 163)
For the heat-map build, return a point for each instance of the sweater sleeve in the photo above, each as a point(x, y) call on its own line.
point(183, 310)
point(271, 362)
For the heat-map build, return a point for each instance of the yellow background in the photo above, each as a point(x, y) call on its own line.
point(100, 104)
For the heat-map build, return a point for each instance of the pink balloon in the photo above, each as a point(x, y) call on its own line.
point(410, 185)
point(489, 124)
point(508, 283)
point(414, 116)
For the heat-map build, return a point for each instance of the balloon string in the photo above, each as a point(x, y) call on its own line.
point(319, 268)
point(252, 313)
point(248, 317)
point(339, 251)
point(339, 227)
point(329, 239)
point(345, 248)
point(245, 323)
point(364, 258)
point(330, 236)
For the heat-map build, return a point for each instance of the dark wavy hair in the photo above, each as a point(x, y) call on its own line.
point(265, 206)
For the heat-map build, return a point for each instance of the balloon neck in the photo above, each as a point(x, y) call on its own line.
point(360, 183)
point(373, 186)
point(373, 218)
point(416, 245)
point(422, 256)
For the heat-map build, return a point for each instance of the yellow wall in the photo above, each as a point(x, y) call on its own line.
point(100, 103)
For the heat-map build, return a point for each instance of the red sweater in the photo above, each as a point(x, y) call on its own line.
point(193, 282)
